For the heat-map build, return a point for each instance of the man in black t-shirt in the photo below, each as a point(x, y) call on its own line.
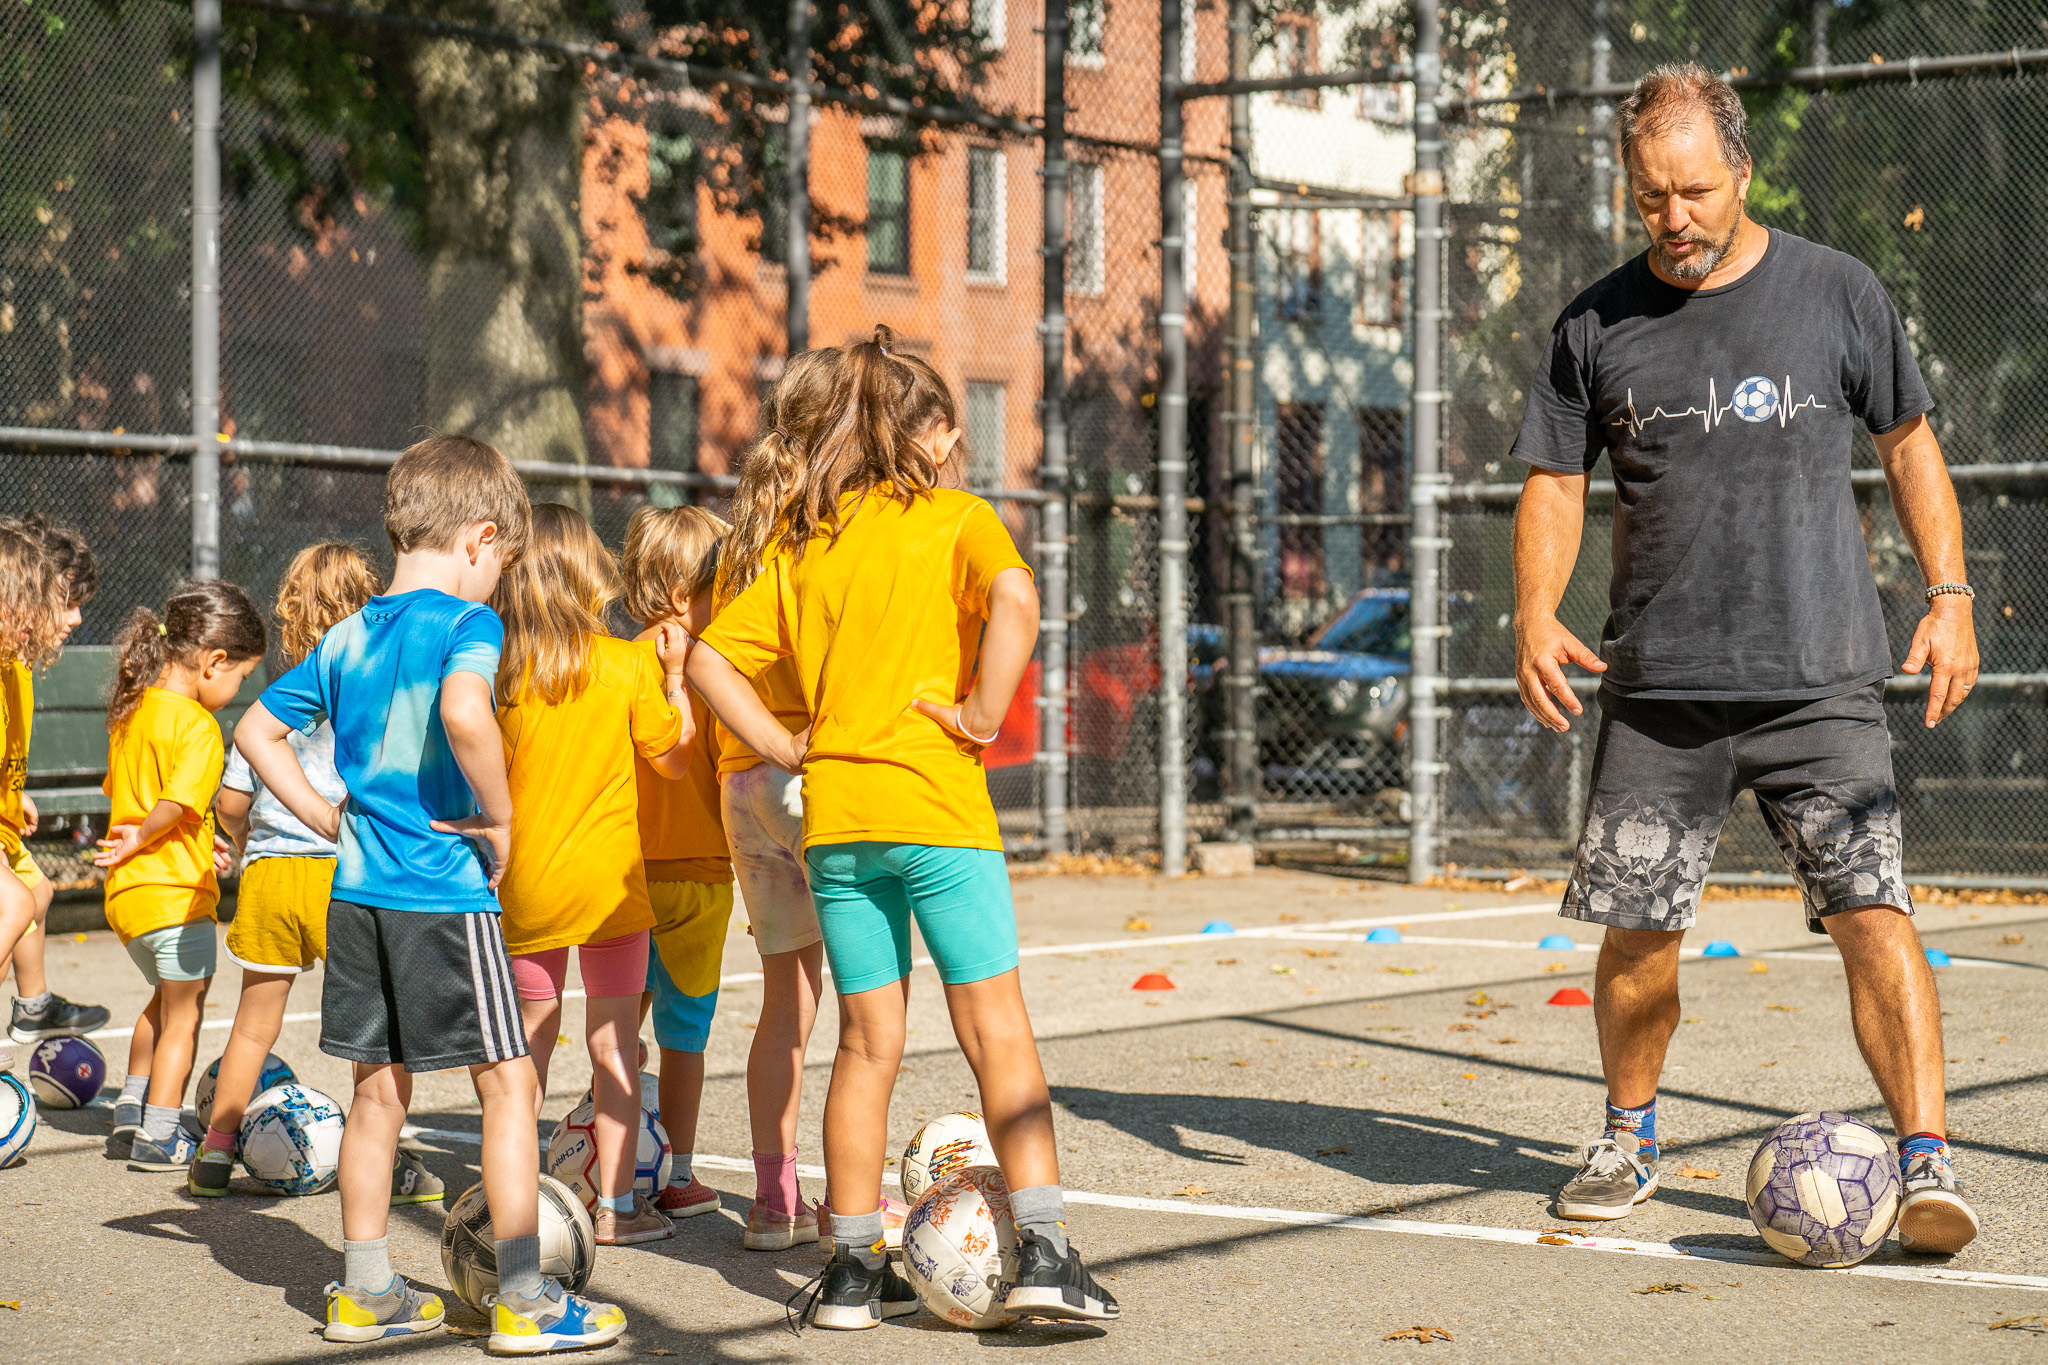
point(1722, 373)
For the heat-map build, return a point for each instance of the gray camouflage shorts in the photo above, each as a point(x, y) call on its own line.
point(1666, 772)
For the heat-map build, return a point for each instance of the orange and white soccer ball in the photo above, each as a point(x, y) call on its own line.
point(949, 1143)
point(960, 1248)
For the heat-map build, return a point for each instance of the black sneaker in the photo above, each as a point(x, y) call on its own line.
point(59, 1018)
point(1055, 1285)
point(849, 1296)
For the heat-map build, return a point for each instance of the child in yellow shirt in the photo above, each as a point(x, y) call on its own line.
point(172, 673)
point(578, 709)
point(671, 556)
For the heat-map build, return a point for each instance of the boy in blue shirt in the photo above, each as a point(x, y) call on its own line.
point(417, 978)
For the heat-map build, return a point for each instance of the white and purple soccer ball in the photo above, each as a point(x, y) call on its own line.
point(66, 1073)
point(1824, 1190)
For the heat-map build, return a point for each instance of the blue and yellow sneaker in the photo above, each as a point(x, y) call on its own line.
point(400, 1311)
point(561, 1321)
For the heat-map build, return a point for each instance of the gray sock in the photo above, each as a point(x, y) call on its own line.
point(519, 1274)
point(1039, 1211)
point(35, 1004)
point(135, 1090)
point(679, 1172)
point(159, 1122)
point(862, 1233)
point(367, 1265)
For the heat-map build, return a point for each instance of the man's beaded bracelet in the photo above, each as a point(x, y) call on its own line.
point(1955, 589)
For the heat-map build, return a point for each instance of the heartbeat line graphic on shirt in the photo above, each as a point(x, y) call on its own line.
point(1756, 399)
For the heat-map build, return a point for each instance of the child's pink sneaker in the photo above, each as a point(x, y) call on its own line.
point(687, 1201)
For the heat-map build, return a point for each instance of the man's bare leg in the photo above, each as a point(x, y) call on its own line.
point(1635, 1008)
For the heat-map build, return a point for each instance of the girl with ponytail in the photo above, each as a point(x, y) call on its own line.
point(172, 673)
point(910, 618)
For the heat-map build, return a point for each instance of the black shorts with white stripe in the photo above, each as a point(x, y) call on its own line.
point(426, 990)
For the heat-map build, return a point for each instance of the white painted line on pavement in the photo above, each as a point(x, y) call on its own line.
point(1458, 1231)
point(1794, 954)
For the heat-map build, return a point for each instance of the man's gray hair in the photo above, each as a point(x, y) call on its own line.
point(1669, 96)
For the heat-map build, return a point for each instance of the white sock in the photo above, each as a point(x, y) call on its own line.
point(679, 1170)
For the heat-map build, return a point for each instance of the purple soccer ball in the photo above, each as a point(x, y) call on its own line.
point(1824, 1190)
point(67, 1073)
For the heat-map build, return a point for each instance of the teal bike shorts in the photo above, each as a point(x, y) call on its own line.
point(867, 894)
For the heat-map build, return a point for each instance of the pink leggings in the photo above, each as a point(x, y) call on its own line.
point(613, 966)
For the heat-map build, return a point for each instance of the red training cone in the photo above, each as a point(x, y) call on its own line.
point(1153, 981)
point(1571, 995)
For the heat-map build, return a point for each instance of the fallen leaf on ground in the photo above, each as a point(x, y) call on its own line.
point(1668, 1287)
point(455, 1331)
point(1461, 1028)
point(1290, 919)
point(1318, 952)
point(1555, 1241)
point(561, 1039)
point(1399, 971)
point(1785, 1009)
point(80, 938)
point(1470, 1076)
point(1507, 1040)
point(1240, 1062)
point(1690, 1019)
point(2033, 1322)
point(1226, 962)
point(2005, 940)
point(1384, 1208)
point(15, 1304)
point(1557, 967)
point(1480, 1014)
point(1722, 1297)
point(1198, 1059)
point(1283, 971)
point(1758, 968)
point(658, 1351)
point(1477, 998)
point(1419, 1334)
point(1136, 925)
point(1333, 1151)
point(1192, 1192)
point(1691, 1172)
point(1767, 1065)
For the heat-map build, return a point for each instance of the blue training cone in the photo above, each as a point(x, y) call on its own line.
point(1557, 943)
point(1720, 947)
point(1384, 935)
point(1937, 958)
point(1218, 926)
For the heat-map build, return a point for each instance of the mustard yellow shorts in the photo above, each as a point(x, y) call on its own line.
point(20, 863)
point(690, 920)
point(280, 921)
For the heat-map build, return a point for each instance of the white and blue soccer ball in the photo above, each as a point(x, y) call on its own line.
point(571, 1153)
point(960, 1248)
point(17, 1118)
point(291, 1139)
point(66, 1073)
point(1755, 400)
point(276, 1071)
point(1824, 1190)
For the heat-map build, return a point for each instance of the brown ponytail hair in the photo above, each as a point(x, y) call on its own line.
point(553, 601)
point(800, 411)
point(325, 583)
point(198, 618)
point(884, 405)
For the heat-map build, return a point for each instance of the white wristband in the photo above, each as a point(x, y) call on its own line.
point(960, 720)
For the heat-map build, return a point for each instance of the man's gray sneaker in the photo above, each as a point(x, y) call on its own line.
point(1613, 1178)
point(1933, 1219)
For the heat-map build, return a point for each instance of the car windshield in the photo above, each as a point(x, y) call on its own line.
point(1376, 625)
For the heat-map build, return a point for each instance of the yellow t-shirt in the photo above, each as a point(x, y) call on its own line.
point(781, 691)
point(17, 716)
point(575, 875)
point(169, 749)
point(682, 834)
point(890, 613)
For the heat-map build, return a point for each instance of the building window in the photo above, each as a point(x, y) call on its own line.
point(988, 20)
point(985, 214)
point(1382, 487)
point(985, 468)
point(1298, 470)
point(1084, 31)
point(1297, 241)
point(888, 212)
point(1294, 51)
point(1084, 228)
point(1379, 269)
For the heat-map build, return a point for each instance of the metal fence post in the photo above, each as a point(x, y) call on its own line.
point(1052, 467)
point(206, 288)
point(1425, 544)
point(1242, 678)
point(797, 232)
point(1173, 468)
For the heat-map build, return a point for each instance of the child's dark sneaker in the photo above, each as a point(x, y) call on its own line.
point(561, 1321)
point(412, 1182)
point(1054, 1284)
point(211, 1170)
point(850, 1295)
point(55, 1018)
point(401, 1310)
point(687, 1201)
point(174, 1153)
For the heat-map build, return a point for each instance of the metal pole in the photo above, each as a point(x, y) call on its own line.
point(1425, 544)
point(1173, 468)
point(1052, 466)
point(1820, 180)
point(206, 288)
point(1601, 128)
point(797, 232)
point(1242, 678)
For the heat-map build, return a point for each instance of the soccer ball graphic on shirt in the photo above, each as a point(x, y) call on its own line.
point(1824, 1190)
point(1755, 400)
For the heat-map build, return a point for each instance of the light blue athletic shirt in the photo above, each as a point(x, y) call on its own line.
point(274, 832)
point(377, 677)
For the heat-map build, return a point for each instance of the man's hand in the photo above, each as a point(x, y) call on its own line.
point(493, 837)
point(1946, 637)
point(1542, 648)
point(30, 816)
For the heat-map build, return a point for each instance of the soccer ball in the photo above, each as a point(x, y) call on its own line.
point(469, 1251)
point(572, 1154)
point(949, 1143)
point(276, 1071)
point(17, 1117)
point(66, 1073)
point(1755, 400)
point(960, 1248)
point(291, 1139)
point(1823, 1190)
